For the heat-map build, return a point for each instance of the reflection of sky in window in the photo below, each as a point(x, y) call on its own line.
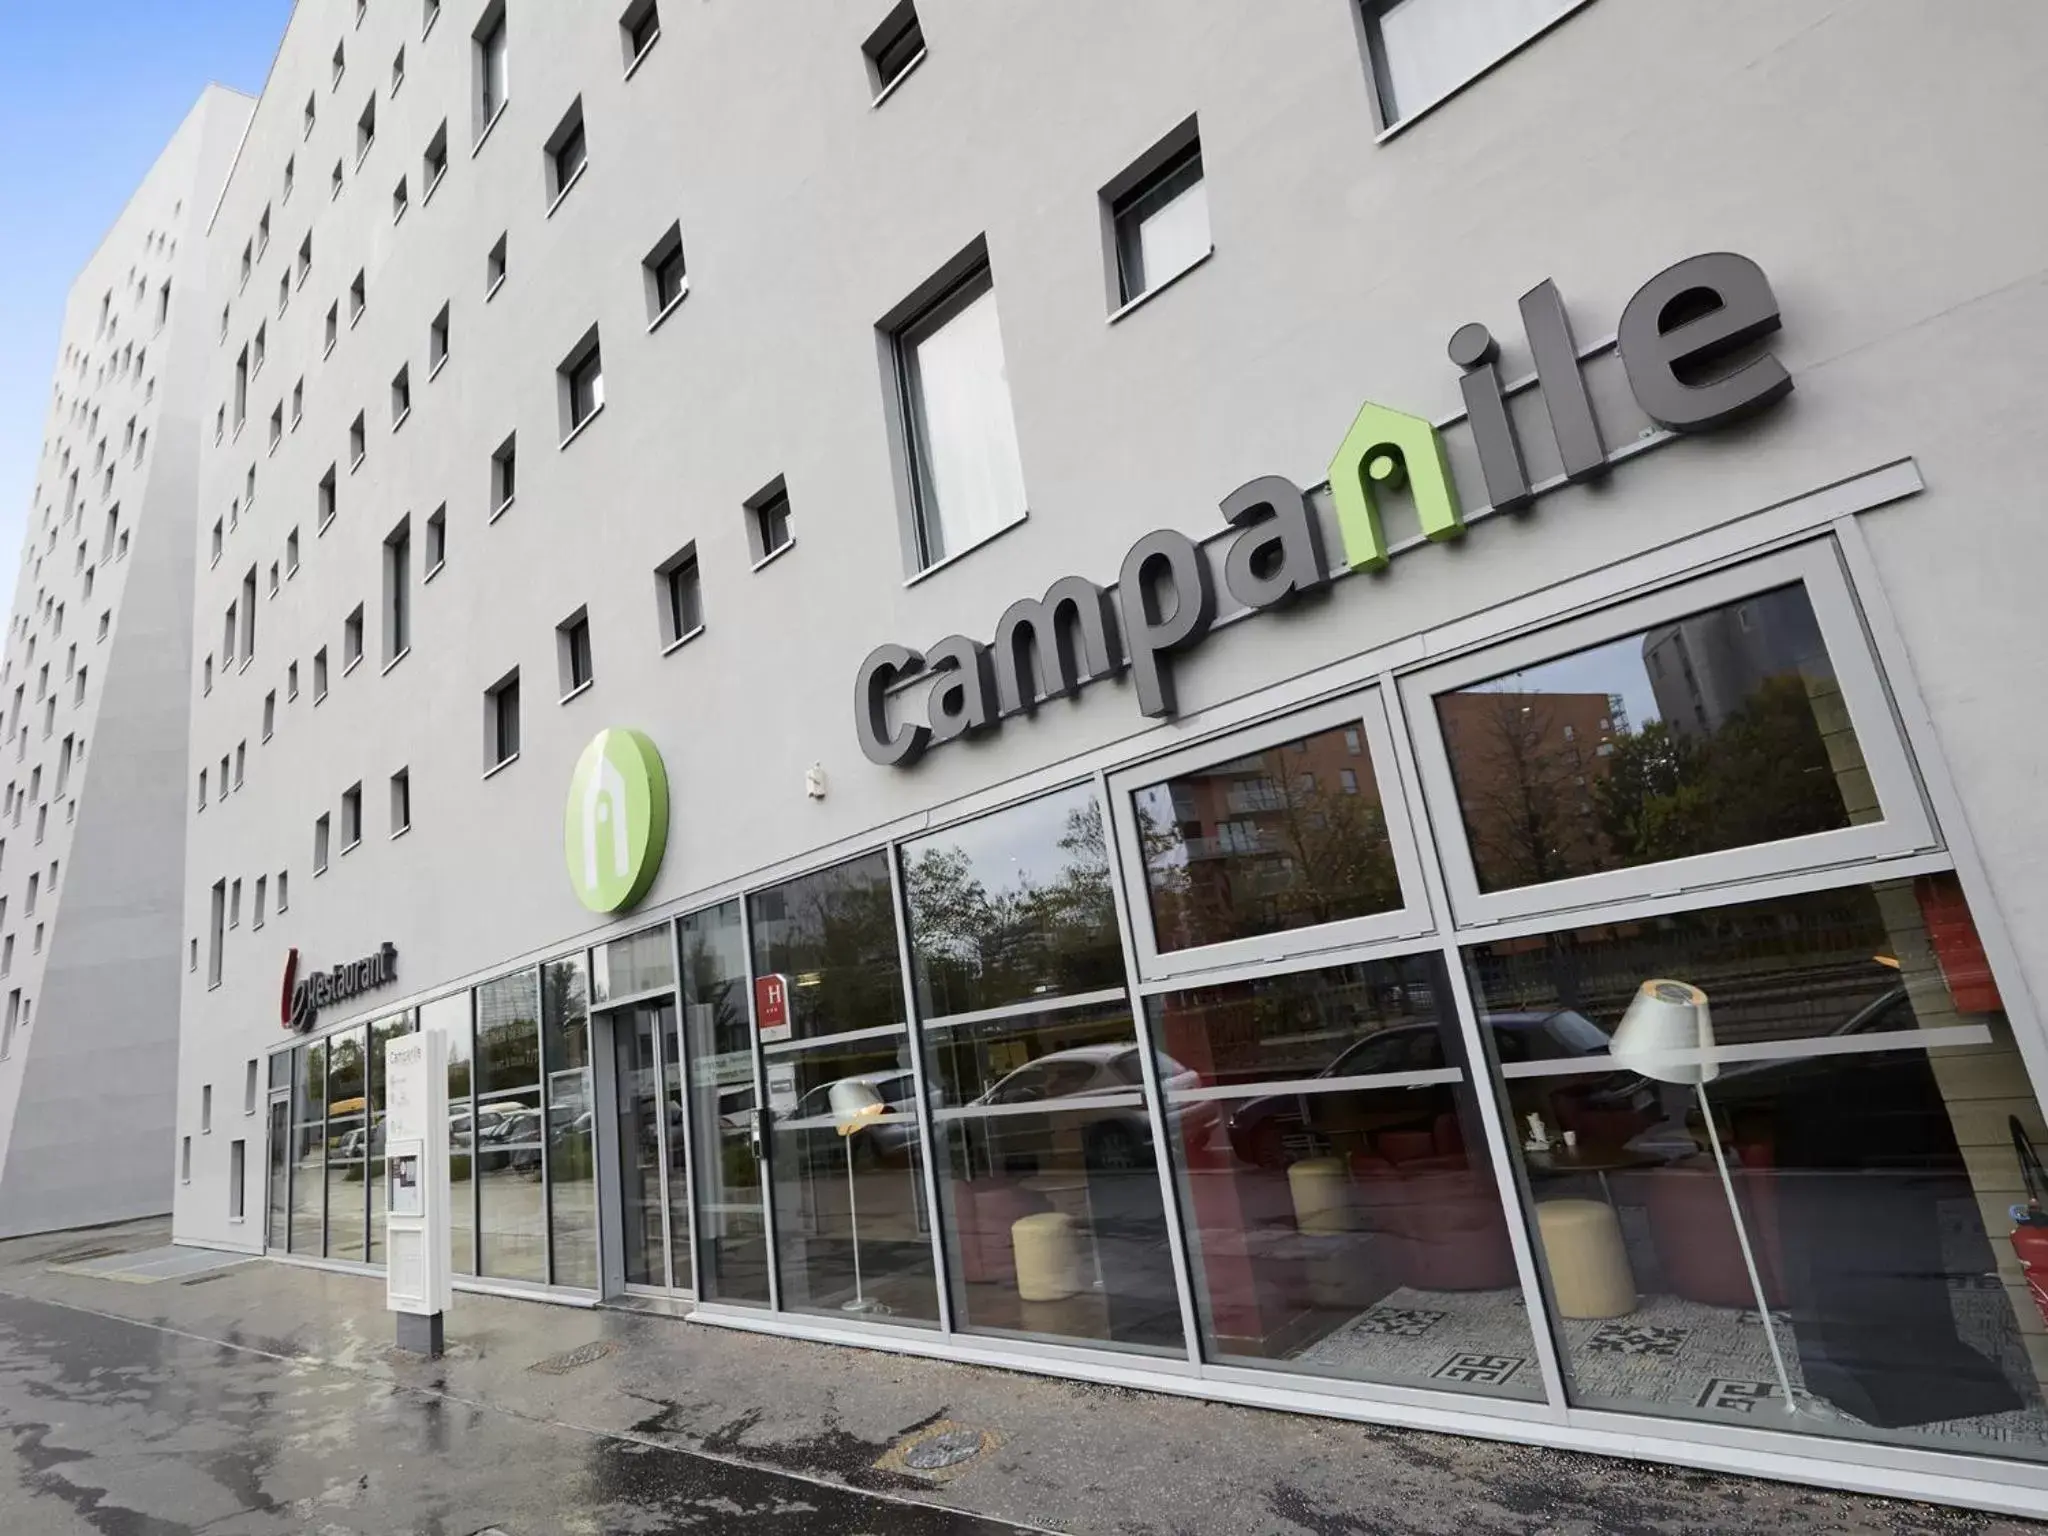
point(1016, 849)
point(1154, 807)
point(1616, 667)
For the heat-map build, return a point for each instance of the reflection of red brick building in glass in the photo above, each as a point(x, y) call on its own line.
point(1527, 765)
point(1284, 838)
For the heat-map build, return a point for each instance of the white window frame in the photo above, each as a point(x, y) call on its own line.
point(1907, 827)
point(1403, 925)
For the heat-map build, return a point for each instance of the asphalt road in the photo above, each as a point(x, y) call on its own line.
point(123, 1428)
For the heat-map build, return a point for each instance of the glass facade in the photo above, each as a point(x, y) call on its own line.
point(1199, 1060)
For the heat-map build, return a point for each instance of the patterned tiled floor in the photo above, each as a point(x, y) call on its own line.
point(1668, 1356)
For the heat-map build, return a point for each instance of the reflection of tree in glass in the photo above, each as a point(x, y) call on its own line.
point(978, 948)
point(1763, 774)
point(714, 994)
point(1521, 784)
point(1277, 841)
point(836, 941)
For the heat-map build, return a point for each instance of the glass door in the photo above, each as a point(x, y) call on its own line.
point(636, 1034)
point(725, 1098)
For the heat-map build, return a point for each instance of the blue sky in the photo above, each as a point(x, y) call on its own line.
point(89, 94)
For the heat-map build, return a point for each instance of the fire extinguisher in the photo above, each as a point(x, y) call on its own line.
point(2030, 1222)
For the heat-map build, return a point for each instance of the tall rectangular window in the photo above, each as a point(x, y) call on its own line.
point(256, 905)
point(501, 720)
point(966, 477)
point(1422, 50)
point(320, 674)
point(320, 831)
point(351, 816)
point(568, 152)
point(580, 384)
point(504, 475)
point(206, 1109)
point(437, 539)
point(216, 932)
point(434, 164)
point(401, 801)
point(352, 638)
point(768, 520)
point(238, 1169)
point(398, 591)
point(572, 650)
point(639, 30)
point(680, 594)
point(492, 81)
point(1159, 212)
point(894, 48)
point(666, 276)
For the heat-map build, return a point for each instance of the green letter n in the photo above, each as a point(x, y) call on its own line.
point(1383, 449)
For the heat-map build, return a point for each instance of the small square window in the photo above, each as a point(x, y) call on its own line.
point(269, 714)
point(437, 539)
point(768, 521)
point(1159, 211)
point(680, 595)
point(437, 342)
point(320, 674)
point(434, 164)
point(401, 801)
point(581, 384)
point(494, 268)
point(666, 277)
point(298, 402)
point(334, 182)
point(572, 652)
point(504, 475)
point(333, 328)
point(291, 175)
point(351, 816)
point(340, 62)
point(352, 640)
point(401, 397)
point(894, 48)
point(398, 71)
point(284, 292)
point(273, 578)
point(568, 152)
point(358, 442)
point(305, 264)
point(501, 721)
point(291, 553)
point(639, 30)
point(284, 890)
point(291, 682)
point(366, 129)
point(358, 298)
point(398, 201)
point(430, 12)
point(276, 427)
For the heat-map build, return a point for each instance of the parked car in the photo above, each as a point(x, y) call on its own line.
point(1113, 1139)
point(1277, 1129)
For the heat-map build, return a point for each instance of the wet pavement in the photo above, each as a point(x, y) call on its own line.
point(143, 1395)
point(131, 1429)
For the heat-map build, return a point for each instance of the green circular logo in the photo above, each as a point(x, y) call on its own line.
point(616, 823)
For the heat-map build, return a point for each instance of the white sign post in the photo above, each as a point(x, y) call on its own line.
point(416, 1200)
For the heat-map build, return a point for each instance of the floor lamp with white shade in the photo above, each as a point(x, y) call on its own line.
point(1668, 1035)
point(855, 1105)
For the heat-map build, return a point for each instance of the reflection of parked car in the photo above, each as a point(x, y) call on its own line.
point(1275, 1130)
point(1114, 1138)
point(884, 1141)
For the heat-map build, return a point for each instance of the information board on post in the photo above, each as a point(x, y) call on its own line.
point(417, 1282)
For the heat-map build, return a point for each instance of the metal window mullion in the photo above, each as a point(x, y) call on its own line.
point(547, 1118)
point(1155, 1112)
point(1507, 1174)
point(476, 1183)
point(764, 1125)
point(687, 1094)
point(914, 1043)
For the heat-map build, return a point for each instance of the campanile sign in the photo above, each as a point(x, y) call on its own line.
point(1680, 340)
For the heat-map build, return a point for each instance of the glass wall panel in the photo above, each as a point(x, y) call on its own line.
point(277, 1209)
point(636, 1036)
point(1053, 1220)
point(832, 937)
point(1719, 730)
point(512, 1241)
point(1291, 836)
point(640, 962)
point(1014, 907)
point(719, 1038)
point(309, 1149)
point(382, 1033)
point(451, 1016)
point(571, 1122)
point(1782, 1198)
point(348, 1087)
point(1341, 1208)
point(852, 1231)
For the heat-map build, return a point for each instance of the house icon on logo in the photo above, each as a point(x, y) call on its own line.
point(616, 821)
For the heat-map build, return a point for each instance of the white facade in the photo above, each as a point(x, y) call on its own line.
point(425, 240)
point(91, 880)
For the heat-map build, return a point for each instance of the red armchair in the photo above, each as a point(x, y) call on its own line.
point(1419, 1187)
point(984, 1211)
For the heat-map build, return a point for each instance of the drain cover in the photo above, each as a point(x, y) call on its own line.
point(569, 1359)
point(940, 1451)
